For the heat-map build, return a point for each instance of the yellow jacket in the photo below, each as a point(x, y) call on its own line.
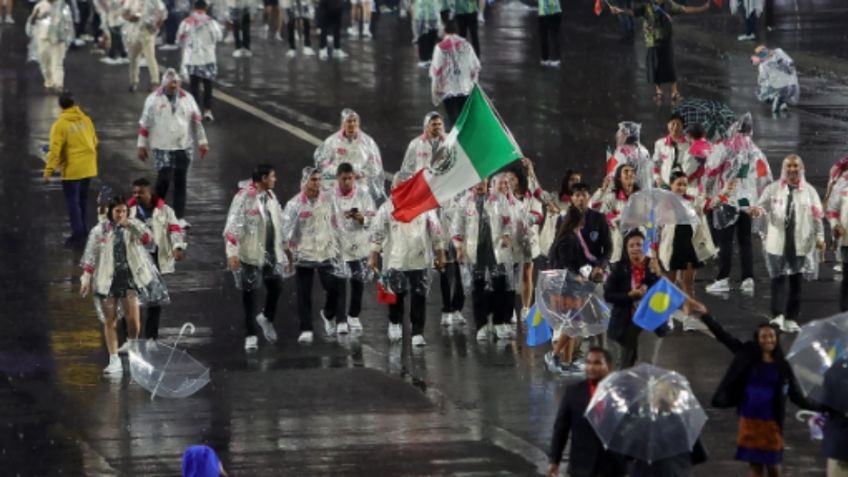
point(73, 146)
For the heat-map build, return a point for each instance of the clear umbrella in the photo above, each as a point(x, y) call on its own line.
point(646, 412)
point(819, 358)
point(656, 207)
point(567, 300)
point(166, 370)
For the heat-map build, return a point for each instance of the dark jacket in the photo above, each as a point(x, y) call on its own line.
point(680, 465)
point(835, 442)
point(587, 457)
point(731, 389)
point(621, 328)
point(596, 234)
point(567, 254)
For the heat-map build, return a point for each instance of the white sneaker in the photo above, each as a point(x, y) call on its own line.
point(322, 54)
point(278, 37)
point(109, 61)
point(308, 51)
point(355, 324)
point(395, 332)
point(9, 20)
point(418, 341)
point(352, 30)
point(447, 319)
point(719, 286)
point(115, 366)
point(554, 63)
point(305, 337)
point(746, 37)
point(747, 286)
point(691, 323)
point(791, 326)
point(480, 18)
point(343, 329)
point(266, 31)
point(457, 318)
point(237, 53)
point(79, 42)
point(122, 61)
point(779, 321)
point(170, 47)
point(329, 325)
point(366, 30)
point(339, 54)
point(503, 332)
point(251, 343)
point(514, 319)
point(246, 53)
point(184, 224)
point(207, 116)
point(484, 333)
point(267, 328)
point(423, 64)
point(291, 54)
point(837, 268)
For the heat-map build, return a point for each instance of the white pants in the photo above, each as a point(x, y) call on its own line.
point(144, 44)
point(837, 468)
point(51, 59)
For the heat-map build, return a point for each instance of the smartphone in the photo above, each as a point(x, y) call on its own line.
point(105, 194)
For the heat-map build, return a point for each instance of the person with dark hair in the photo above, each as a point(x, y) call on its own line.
point(522, 179)
point(299, 14)
point(568, 181)
point(198, 34)
point(628, 282)
point(670, 152)
point(168, 237)
point(611, 202)
point(422, 150)
point(254, 240)
point(454, 70)
point(117, 269)
point(629, 150)
point(587, 457)
point(73, 150)
point(595, 236)
point(757, 383)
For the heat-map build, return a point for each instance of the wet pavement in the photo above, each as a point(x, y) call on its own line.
point(360, 407)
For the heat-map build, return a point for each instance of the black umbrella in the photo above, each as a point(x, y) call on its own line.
point(715, 116)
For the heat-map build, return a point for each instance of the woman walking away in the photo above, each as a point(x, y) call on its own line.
point(658, 40)
point(757, 383)
point(198, 34)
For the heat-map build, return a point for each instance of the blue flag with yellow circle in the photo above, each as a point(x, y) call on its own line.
point(658, 304)
point(538, 331)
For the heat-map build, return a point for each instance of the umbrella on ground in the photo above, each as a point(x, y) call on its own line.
point(819, 358)
point(656, 207)
point(715, 116)
point(166, 370)
point(646, 412)
point(567, 300)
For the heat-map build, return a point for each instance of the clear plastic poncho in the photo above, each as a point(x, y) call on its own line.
point(629, 150)
point(426, 17)
point(53, 24)
point(360, 151)
point(819, 358)
point(776, 76)
point(310, 230)
point(149, 12)
point(454, 69)
point(569, 302)
point(423, 150)
point(509, 228)
point(353, 235)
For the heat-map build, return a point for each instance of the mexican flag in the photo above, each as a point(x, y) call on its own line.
point(477, 146)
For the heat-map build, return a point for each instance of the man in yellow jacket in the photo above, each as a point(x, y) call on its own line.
point(73, 150)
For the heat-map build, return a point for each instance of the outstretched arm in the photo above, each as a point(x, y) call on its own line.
point(703, 8)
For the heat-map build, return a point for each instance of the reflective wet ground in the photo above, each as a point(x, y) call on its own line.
point(361, 407)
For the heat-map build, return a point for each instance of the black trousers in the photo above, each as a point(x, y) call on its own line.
point(116, 45)
point(178, 171)
point(549, 34)
point(84, 11)
point(768, 12)
point(356, 289)
point(787, 305)
point(453, 106)
point(194, 87)
point(291, 25)
point(417, 305)
point(273, 290)
point(466, 24)
point(333, 307)
point(453, 296)
point(498, 302)
point(843, 295)
point(742, 230)
point(151, 324)
point(426, 44)
point(241, 28)
point(331, 20)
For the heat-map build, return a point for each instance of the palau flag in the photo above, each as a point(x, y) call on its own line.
point(538, 331)
point(658, 304)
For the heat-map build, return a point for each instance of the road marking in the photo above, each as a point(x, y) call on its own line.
point(295, 131)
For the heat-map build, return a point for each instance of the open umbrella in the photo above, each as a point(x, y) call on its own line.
point(646, 412)
point(819, 358)
point(656, 207)
point(166, 370)
point(715, 116)
point(567, 300)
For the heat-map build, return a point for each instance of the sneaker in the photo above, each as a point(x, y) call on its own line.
point(692, 323)
point(484, 333)
point(751, 37)
point(291, 54)
point(251, 343)
point(266, 32)
point(308, 51)
point(395, 332)
point(122, 61)
point(237, 53)
point(267, 328)
point(79, 42)
point(184, 224)
point(480, 18)
point(115, 366)
point(352, 30)
point(87, 37)
point(278, 37)
point(339, 54)
point(554, 64)
point(109, 61)
point(207, 116)
point(502, 332)
point(719, 286)
point(9, 20)
point(837, 268)
point(778, 321)
point(355, 324)
point(769, 29)
point(571, 369)
point(418, 341)
point(457, 318)
point(553, 363)
point(322, 54)
point(246, 53)
point(170, 47)
point(366, 30)
point(423, 64)
point(329, 325)
point(544, 63)
point(343, 329)
point(791, 326)
point(447, 319)
point(305, 337)
point(747, 286)
point(514, 319)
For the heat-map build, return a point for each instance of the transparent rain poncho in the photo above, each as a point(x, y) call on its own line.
point(647, 413)
point(98, 262)
point(360, 151)
point(150, 13)
point(776, 76)
point(245, 234)
point(426, 17)
point(819, 358)
point(454, 69)
point(508, 225)
point(423, 151)
point(807, 214)
point(53, 24)
point(569, 302)
point(353, 236)
point(311, 231)
point(629, 150)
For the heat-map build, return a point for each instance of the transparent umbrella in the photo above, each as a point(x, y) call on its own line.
point(656, 207)
point(646, 412)
point(819, 358)
point(166, 370)
point(566, 299)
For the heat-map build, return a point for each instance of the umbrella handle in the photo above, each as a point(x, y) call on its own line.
point(186, 326)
